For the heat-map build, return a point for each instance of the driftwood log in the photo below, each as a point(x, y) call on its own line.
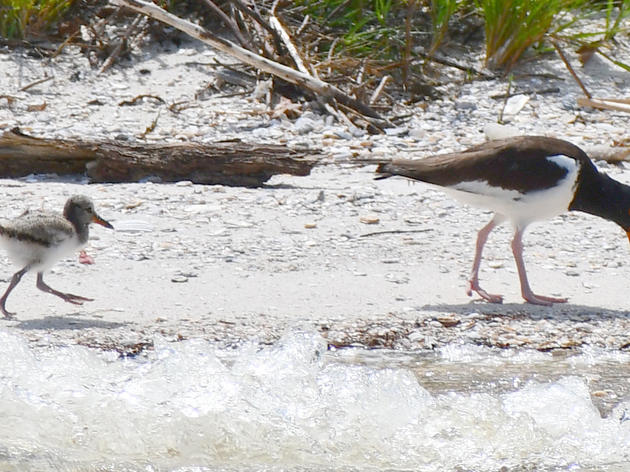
point(233, 163)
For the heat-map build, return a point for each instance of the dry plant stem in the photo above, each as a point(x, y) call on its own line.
point(121, 42)
point(97, 30)
point(341, 116)
point(231, 23)
point(286, 39)
point(68, 40)
point(544, 91)
point(271, 45)
point(571, 71)
point(455, 65)
point(259, 19)
point(324, 89)
point(152, 126)
point(359, 78)
point(314, 71)
point(330, 53)
point(9, 99)
point(507, 96)
point(274, 6)
point(137, 98)
point(303, 25)
point(37, 82)
point(407, 53)
point(378, 90)
point(394, 231)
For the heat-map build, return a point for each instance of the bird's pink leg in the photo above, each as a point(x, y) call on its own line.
point(84, 258)
point(473, 282)
point(14, 281)
point(526, 291)
point(69, 297)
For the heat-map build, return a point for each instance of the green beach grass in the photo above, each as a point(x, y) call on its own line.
point(22, 18)
point(379, 30)
point(388, 34)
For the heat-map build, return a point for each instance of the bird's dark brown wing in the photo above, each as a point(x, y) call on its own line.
point(519, 164)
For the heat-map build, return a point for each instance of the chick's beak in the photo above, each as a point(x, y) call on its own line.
point(100, 221)
point(628, 233)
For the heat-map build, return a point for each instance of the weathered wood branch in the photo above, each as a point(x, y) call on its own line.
point(234, 163)
point(226, 162)
point(299, 63)
point(615, 104)
point(305, 80)
point(22, 155)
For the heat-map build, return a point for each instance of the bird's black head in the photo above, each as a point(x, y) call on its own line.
point(603, 196)
point(618, 204)
point(626, 223)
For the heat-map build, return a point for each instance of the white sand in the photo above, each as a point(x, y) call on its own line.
point(229, 264)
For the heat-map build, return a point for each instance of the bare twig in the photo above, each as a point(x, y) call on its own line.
point(303, 25)
point(9, 99)
point(67, 41)
point(137, 98)
point(131, 29)
point(282, 33)
point(455, 65)
point(411, 6)
point(544, 91)
point(377, 92)
point(230, 23)
point(152, 126)
point(274, 6)
point(259, 19)
point(571, 71)
point(286, 40)
point(318, 87)
point(331, 51)
point(37, 82)
point(177, 107)
point(340, 115)
point(359, 77)
point(605, 103)
point(396, 231)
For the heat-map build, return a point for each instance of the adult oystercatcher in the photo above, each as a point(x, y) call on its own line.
point(521, 179)
point(36, 240)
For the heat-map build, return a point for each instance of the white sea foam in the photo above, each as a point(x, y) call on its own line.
point(290, 406)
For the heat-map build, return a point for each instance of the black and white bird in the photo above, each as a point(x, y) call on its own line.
point(521, 179)
point(36, 240)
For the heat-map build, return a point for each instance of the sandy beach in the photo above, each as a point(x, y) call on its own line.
point(377, 264)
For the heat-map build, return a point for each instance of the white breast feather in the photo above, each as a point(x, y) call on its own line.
point(519, 207)
point(23, 253)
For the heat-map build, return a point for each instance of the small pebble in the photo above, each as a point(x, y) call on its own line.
point(495, 264)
